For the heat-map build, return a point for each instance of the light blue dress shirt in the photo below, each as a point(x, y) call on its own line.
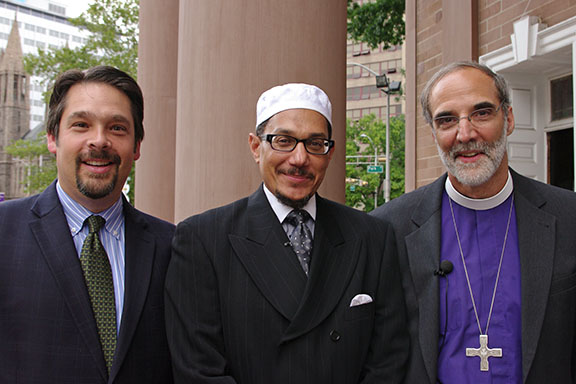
point(111, 236)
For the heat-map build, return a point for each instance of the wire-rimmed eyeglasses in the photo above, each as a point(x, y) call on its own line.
point(478, 118)
point(285, 143)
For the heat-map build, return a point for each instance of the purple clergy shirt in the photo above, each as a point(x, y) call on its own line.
point(482, 236)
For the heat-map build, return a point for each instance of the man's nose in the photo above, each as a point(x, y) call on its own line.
point(99, 138)
point(299, 155)
point(465, 130)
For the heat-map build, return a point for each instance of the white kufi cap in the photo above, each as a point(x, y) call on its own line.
point(292, 96)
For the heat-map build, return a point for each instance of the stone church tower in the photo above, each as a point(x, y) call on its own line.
point(14, 109)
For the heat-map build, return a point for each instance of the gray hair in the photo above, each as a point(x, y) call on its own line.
point(499, 83)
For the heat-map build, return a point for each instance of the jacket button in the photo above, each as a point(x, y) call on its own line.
point(334, 336)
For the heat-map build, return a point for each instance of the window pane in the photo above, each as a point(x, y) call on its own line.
point(561, 98)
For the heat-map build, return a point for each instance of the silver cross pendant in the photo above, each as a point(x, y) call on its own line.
point(484, 352)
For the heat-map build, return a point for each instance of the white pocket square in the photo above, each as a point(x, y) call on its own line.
point(360, 299)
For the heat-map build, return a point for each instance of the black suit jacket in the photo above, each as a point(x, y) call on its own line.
point(546, 219)
point(239, 308)
point(47, 329)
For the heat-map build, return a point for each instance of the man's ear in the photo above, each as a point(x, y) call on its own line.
point(510, 119)
point(255, 143)
point(51, 143)
point(331, 152)
point(137, 151)
point(433, 132)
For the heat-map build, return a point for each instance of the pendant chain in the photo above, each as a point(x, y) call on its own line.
point(466, 269)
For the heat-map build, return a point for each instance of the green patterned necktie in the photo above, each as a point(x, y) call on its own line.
point(98, 276)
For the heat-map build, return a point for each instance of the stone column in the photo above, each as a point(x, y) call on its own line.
point(157, 75)
point(229, 52)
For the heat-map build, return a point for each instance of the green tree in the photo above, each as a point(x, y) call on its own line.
point(38, 162)
point(113, 40)
point(360, 185)
point(377, 22)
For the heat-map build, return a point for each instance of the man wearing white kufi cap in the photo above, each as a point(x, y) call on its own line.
point(284, 286)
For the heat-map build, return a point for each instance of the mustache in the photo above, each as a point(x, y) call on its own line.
point(293, 171)
point(471, 146)
point(99, 155)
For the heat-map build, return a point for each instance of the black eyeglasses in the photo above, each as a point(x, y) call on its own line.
point(478, 118)
point(285, 143)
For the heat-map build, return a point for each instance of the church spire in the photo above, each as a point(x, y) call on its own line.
point(12, 59)
point(14, 110)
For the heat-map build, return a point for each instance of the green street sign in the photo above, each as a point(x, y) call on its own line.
point(375, 169)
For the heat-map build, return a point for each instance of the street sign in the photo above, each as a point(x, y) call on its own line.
point(375, 169)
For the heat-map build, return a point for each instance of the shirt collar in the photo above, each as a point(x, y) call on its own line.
point(480, 204)
point(282, 210)
point(76, 214)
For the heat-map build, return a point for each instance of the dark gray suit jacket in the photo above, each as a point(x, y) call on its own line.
point(546, 218)
point(241, 310)
point(47, 330)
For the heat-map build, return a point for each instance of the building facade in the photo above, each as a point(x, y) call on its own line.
point(362, 95)
point(42, 24)
point(532, 44)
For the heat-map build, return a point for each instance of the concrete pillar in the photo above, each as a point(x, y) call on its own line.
point(157, 75)
point(411, 89)
point(229, 52)
point(459, 30)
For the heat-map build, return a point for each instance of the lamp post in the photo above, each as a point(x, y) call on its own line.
point(375, 163)
point(387, 87)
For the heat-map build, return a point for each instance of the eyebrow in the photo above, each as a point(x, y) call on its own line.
point(84, 115)
point(283, 131)
point(477, 106)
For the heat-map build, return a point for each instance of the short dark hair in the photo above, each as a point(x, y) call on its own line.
point(99, 74)
point(499, 83)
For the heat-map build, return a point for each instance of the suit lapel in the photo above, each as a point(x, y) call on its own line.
point(139, 256)
point(333, 263)
point(52, 234)
point(272, 266)
point(536, 234)
point(423, 251)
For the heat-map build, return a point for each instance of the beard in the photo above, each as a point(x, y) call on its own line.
point(296, 204)
point(94, 186)
point(300, 203)
point(479, 172)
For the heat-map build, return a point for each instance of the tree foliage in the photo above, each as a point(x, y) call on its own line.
point(113, 40)
point(377, 22)
point(361, 185)
point(38, 161)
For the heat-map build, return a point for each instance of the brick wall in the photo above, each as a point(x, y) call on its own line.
point(495, 25)
point(496, 18)
point(429, 60)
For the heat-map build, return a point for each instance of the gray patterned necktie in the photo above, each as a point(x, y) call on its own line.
point(301, 237)
point(98, 276)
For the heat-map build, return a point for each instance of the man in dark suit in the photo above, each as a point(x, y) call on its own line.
point(488, 257)
point(81, 271)
point(284, 286)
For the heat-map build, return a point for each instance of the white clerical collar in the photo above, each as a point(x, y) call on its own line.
point(282, 210)
point(480, 204)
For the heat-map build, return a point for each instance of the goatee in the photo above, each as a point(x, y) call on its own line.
point(296, 204)
point(92, 186)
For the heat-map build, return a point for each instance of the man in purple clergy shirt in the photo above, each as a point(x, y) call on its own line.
point(488, 257)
